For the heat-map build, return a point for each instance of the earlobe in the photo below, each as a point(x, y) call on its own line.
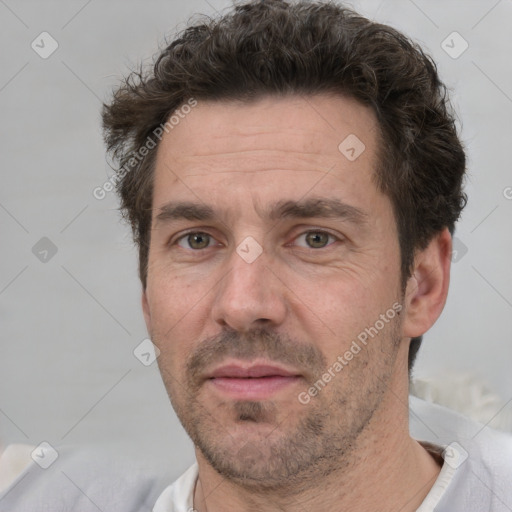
point(427, 288)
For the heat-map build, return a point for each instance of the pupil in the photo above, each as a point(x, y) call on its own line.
point(317, 239)
point(198, 240)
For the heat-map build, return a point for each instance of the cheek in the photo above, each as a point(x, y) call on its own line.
point(340, 308)
point(344, 309)
point(170, 295)
point(173, 306)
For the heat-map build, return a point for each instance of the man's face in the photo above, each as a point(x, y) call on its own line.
point(261, 282)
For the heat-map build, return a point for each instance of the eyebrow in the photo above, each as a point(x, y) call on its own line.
point(301, 209)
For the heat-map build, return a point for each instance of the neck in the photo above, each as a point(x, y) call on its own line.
point(387, 471)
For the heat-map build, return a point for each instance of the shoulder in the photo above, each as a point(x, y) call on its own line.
point(481, 456)
point(85, 479)
point(441, 425)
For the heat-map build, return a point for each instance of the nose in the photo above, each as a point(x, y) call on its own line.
point(250, 295)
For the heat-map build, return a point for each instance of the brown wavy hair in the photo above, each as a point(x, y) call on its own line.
point(277, 47)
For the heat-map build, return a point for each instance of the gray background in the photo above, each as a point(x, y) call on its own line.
point(69, 324)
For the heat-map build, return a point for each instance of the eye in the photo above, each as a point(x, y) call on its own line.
point(316, 239)
point(196, 240)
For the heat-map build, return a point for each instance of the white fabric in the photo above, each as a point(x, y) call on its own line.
point(179, 497)
point(83, 480)
point(467, 394)
point(13, 461)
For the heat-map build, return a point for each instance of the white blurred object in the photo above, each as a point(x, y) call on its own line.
point(467, 394)
point(13, 460)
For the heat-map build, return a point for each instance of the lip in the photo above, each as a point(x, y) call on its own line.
point(251, 372)
point(251, 381)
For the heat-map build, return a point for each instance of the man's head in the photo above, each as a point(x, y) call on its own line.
point(315, 163)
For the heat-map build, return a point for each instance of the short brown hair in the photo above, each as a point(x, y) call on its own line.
point(277, 47)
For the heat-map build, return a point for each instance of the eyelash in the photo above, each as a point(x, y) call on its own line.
point(321, 231)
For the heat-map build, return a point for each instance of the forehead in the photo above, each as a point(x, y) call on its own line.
point(224, 150)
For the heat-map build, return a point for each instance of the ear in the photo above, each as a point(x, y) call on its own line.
point(145, 310)
point(427, 288)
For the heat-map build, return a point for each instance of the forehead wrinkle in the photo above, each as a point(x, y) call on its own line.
point(296, 160)
point(256, 171)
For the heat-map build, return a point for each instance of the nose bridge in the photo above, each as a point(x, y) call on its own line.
point(249, 292)
point(248, 273)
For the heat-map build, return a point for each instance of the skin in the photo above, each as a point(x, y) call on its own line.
point(301, 303)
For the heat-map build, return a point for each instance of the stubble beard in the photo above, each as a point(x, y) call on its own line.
point(287, 453)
